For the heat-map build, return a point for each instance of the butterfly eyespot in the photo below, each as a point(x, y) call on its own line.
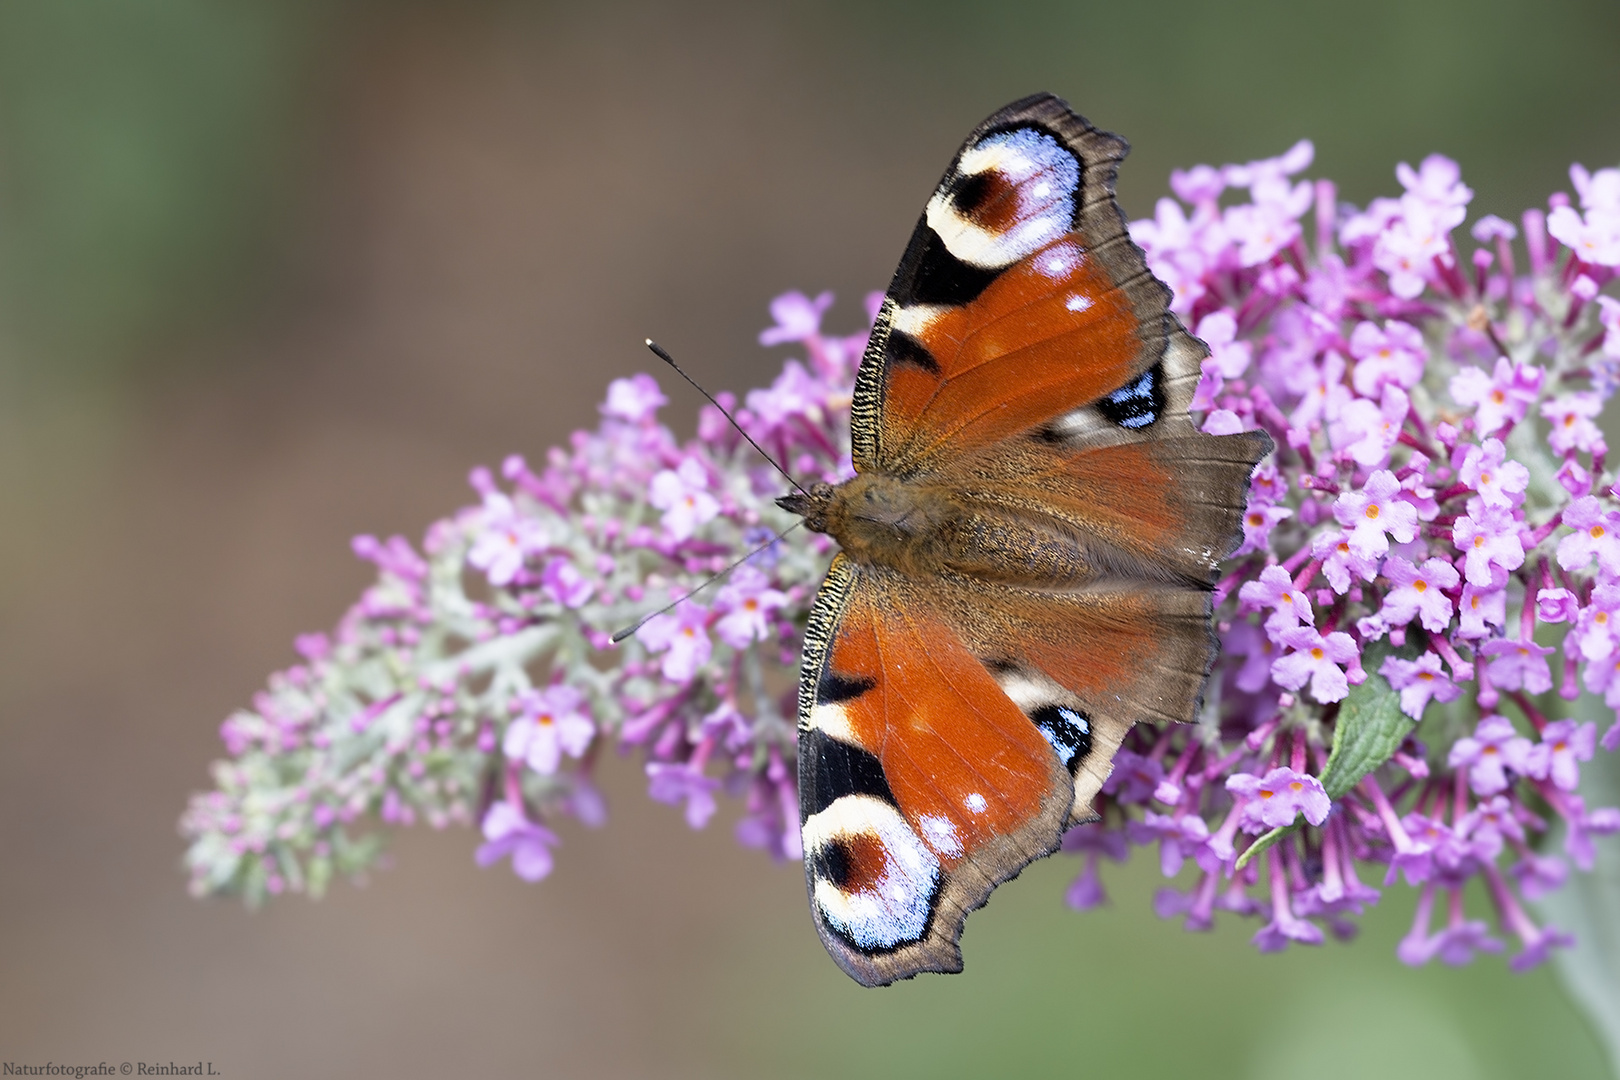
point(970, 192)
point(834, 864)
point(1067, 730)
point(1136, 405)
point(873, 879)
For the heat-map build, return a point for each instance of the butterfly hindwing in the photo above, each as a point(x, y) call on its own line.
point(1098, 660)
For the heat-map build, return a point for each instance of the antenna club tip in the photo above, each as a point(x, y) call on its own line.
point(649, 342)
point(622, 634)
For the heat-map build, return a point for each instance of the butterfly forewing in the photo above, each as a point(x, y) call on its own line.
point(1030, 546)
point(1019, 297)
point(922, 784)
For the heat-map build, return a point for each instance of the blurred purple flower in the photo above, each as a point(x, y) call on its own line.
point(509, 832)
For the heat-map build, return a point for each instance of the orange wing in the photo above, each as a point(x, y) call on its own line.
point(951, 730)
point(921, 784)
point(1020, 298)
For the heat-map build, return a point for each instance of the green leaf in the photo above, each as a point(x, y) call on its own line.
point(1253, 851)
point(1368, 731)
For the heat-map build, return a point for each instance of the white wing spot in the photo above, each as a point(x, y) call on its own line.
point(1076, 302)
point(940, 834)
point(975, 802)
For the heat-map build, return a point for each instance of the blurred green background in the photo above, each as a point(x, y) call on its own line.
point(272, 274)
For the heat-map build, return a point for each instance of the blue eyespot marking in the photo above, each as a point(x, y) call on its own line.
point(1137, 404)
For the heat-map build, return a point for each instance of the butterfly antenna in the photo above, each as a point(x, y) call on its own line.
point(627, 631)
point(658, 351)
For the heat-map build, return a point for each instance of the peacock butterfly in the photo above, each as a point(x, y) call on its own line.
point(1029, 546)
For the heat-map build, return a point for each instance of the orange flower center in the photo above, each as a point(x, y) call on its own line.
point(1421, 586)
point(1316, 653)
point(1372, 512)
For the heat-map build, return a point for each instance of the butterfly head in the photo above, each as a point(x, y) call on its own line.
point(810, 504)
point(879, 519)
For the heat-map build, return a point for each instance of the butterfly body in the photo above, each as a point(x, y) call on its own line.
point(1027, 548)
point(923, 529)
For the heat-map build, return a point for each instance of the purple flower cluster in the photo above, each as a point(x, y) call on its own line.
point(476, 680)
point(1429, 574)
point(1438, 507)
